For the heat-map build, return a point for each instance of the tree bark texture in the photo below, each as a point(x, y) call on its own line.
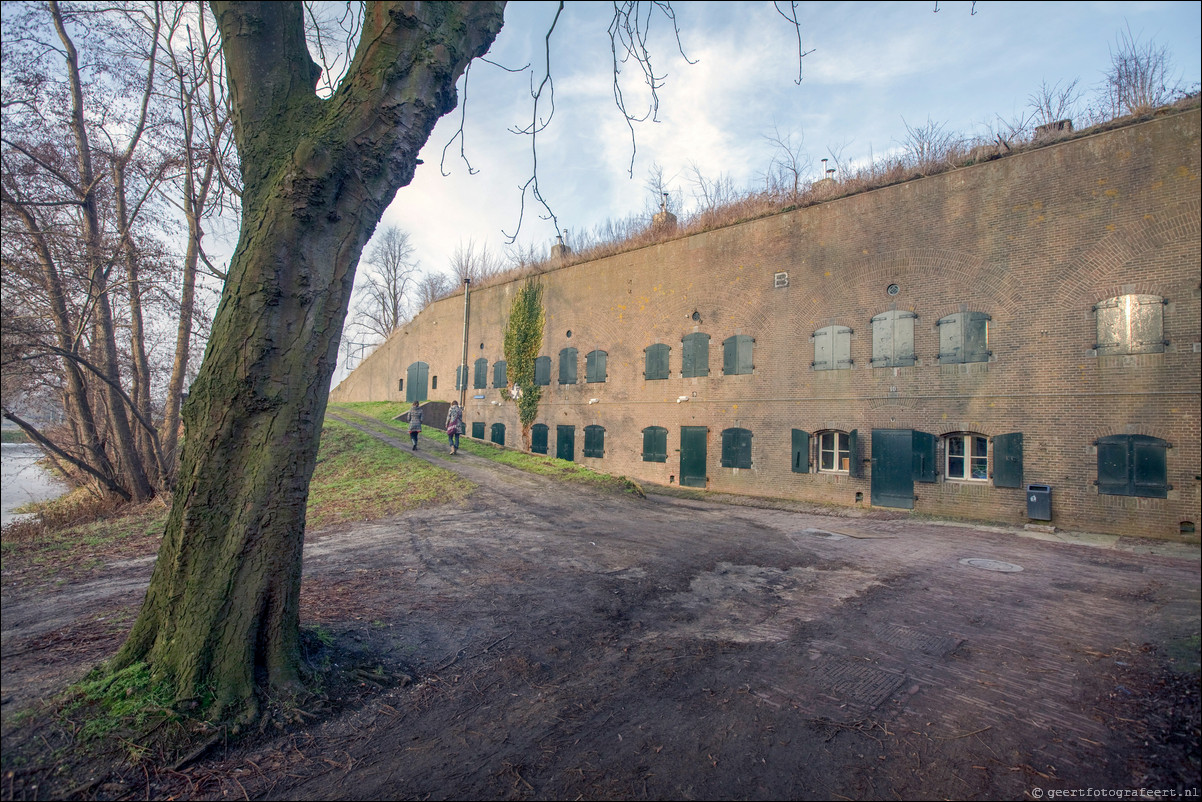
point(221, 613)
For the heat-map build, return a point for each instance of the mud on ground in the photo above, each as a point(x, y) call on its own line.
point(545, 641)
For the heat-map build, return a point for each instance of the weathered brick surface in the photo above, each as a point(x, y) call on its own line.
point(1033, 240)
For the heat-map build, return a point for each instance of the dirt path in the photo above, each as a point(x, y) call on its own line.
point(567, 643)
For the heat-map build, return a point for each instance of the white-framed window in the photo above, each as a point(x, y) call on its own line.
point(967, 457)
point(834, 452)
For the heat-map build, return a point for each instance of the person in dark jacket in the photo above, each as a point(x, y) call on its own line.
point(415, 423)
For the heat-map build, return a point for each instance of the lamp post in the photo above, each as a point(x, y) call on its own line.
point(467, 305)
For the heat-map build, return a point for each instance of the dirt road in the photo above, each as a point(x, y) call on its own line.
point(567, 644)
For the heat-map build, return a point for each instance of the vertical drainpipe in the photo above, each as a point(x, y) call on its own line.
point(467, 305)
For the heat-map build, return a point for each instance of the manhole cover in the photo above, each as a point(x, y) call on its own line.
point(825, 535)
point(859, 683)
point(991, 565)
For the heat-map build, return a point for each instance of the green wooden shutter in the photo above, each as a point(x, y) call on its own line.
point(1008, 460)
point(1149, 466)
point(567, 366)
point(737, 355)
point(498, 434)
point(951, 340)
point(594, 441)
point(655, 444)
point(893, 339)
point(478, 429)
point(854, 469)
point(736, 448)
point(975, 331)
point(824, 358)
point(542, 371)
point(801, 451)
point(499, 374)
point(481, 375)
point(924, 459)
point(696, 357)
point(656, 361)
point(842, 347)
point(538, 438)
point(461, 377)
point(883, 326)
point(595, 366)
point(1113, 470)
point(730, 356)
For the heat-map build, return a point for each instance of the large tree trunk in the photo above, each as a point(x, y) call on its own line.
point(221, 612)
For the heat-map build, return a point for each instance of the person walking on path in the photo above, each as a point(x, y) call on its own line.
point(415, 423)
point(454, 426)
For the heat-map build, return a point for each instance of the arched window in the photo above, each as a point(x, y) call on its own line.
point(567, 366)
point(538, 438)
point(417, 376)
point(695, 359)
point(655, 444)
point(1130, 324)
point(736, 448)
point(542, 371)
point(964, 337)
point(497, 435)
point(893, 339)
point(967, 457)
point(1133, 465)
point(594, 366)
point(655, 365)
point(594, 441)
point(736, 355)
point(832, 348)
point(834, 451)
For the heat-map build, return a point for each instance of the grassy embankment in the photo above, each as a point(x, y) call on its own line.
point(384, 414)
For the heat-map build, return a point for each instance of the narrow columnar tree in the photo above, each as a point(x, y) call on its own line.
point(523, 341)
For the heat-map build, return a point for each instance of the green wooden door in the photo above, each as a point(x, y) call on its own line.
point(893, 468)
point(565, 442)
point(692, 456)
point(417, 382)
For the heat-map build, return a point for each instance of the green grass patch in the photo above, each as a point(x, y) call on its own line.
point(386, 411)
point(360, 478)
point(123, 700)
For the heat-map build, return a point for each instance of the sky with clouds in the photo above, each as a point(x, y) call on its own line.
point(870, 69)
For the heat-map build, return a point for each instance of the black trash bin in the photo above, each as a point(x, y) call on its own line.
point(1039, 502)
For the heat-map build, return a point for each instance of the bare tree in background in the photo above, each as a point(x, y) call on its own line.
point(790, 165)
point(430, 288)
point(384, 290)
point(1054, 103)
point(928, 145)
point(475, 262)
point(711, 193)
point(1139, 79)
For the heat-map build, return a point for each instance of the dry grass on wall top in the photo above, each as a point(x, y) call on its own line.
point(636, 232)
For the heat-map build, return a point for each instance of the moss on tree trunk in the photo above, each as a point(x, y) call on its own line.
point(220, 618)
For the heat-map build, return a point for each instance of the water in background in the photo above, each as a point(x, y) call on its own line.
point(22, 480)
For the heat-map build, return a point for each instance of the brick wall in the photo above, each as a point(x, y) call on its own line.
point(1034, 241)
